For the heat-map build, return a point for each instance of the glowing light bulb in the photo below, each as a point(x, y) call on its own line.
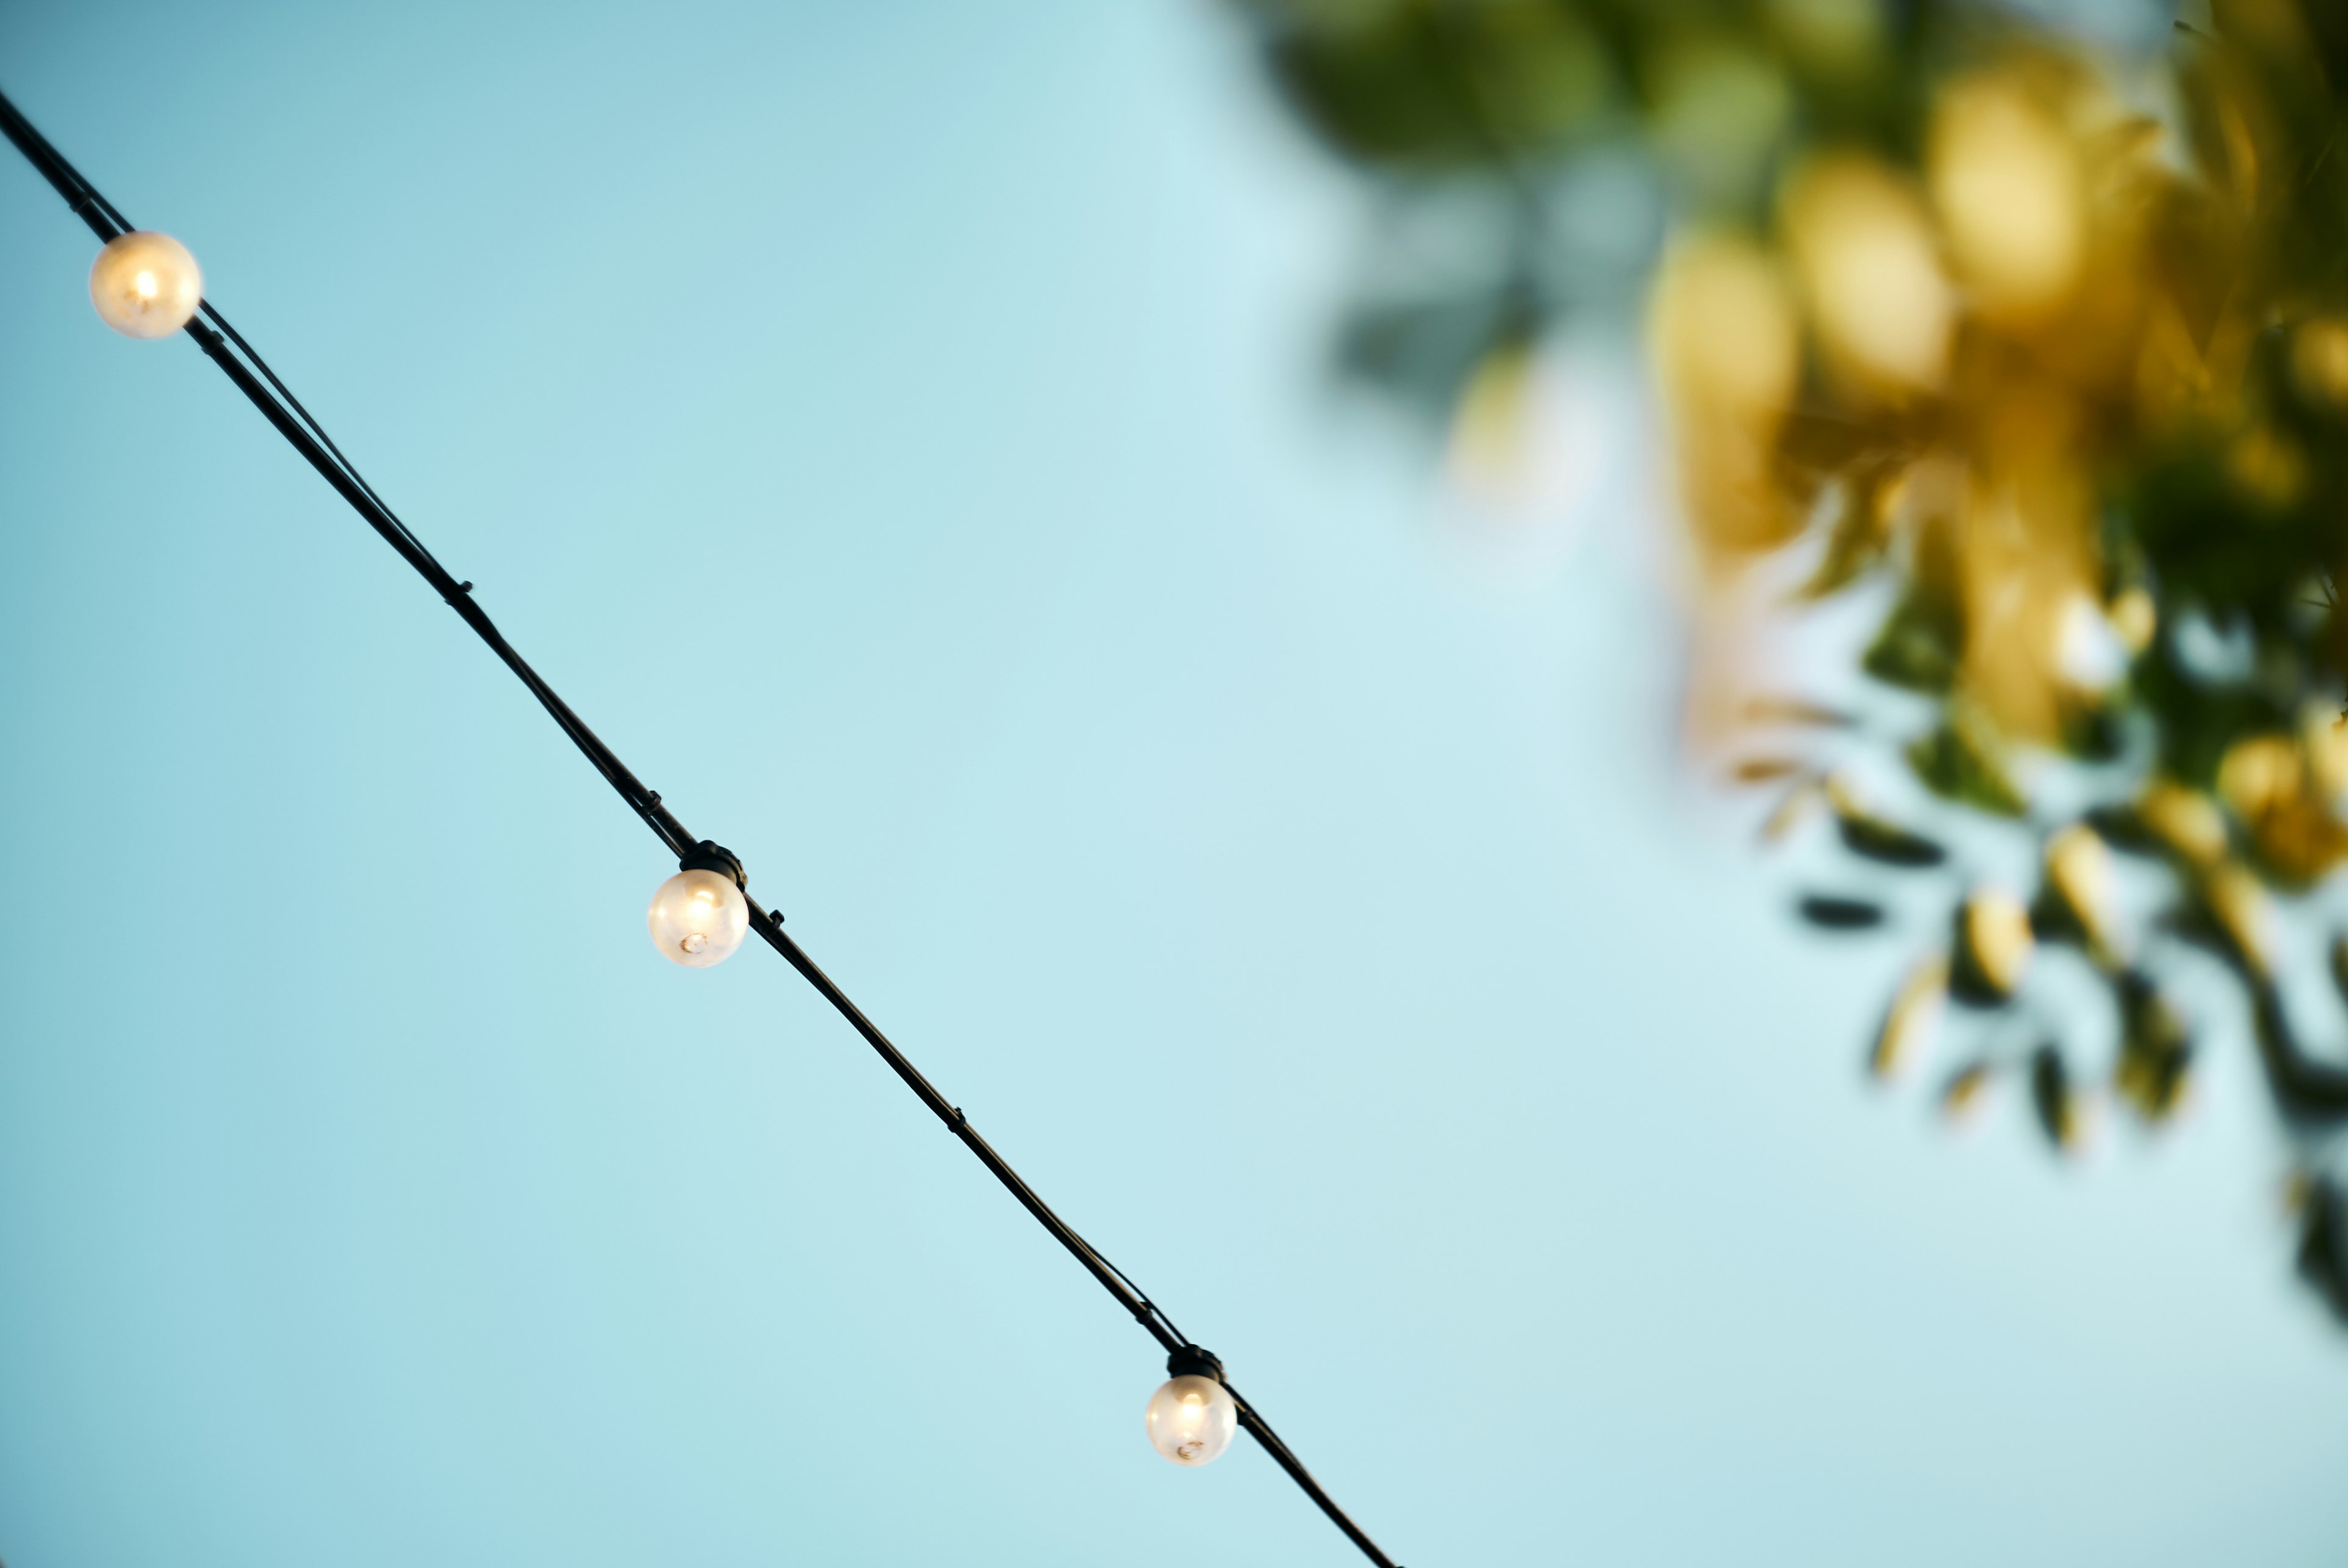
point(1191, 1419)
point(698, 918)
point(145, 285)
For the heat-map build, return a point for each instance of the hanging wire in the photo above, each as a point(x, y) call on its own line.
point(316, 429)
point(284, 411)
point(1154, 1309)
point(83, 195)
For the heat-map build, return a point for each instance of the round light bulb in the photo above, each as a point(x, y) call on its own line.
point(146, 284)
point(1191, 1419)
point(698, 918)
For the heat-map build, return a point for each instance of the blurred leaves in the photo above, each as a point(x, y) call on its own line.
point(1967, 1087)
point(2155, 1050)
point(1861, 533)
point(2324, 1246)
point(1959, 760)
point(2051, 389)
point(1407, 87)
point(1920, 645)
point(2076, 899)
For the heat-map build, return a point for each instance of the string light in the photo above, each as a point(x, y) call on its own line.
point(1192, 1417)
point(698, 917)
point(148, 285)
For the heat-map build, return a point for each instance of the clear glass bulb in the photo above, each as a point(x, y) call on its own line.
point(1191, 1419)
point(146, 284)
point(698, 918)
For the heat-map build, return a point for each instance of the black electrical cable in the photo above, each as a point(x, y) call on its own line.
point(1156, 1311)
point(316, 429)
point(310, 439)
point(48, 157)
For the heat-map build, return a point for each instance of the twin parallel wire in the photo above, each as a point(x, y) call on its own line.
point(239, 361)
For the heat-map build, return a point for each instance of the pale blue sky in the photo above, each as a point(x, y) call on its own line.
point(898, 429)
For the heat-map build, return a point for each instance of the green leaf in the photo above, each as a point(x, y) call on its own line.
point(1832, 912)
point(1859, 536)
point(1961, 1095)
point(2094, 733)
point(2124, 828)
point(1913, 1017)
point(2156, 1051)
point(2322, 1258)
point(2051, 1098)
point(1960, 761)
point(1887, 843)
point(1918, 647)
point(1990, 946)
point(1866, 835)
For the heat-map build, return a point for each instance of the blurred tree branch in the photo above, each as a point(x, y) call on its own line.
point(2039, 349)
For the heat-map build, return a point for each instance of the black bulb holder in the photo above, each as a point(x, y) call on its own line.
point(1190, 1361)
point(708, 856)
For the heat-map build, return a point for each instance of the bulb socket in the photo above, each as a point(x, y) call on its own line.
point(1190, 1361)
point(708, 856)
